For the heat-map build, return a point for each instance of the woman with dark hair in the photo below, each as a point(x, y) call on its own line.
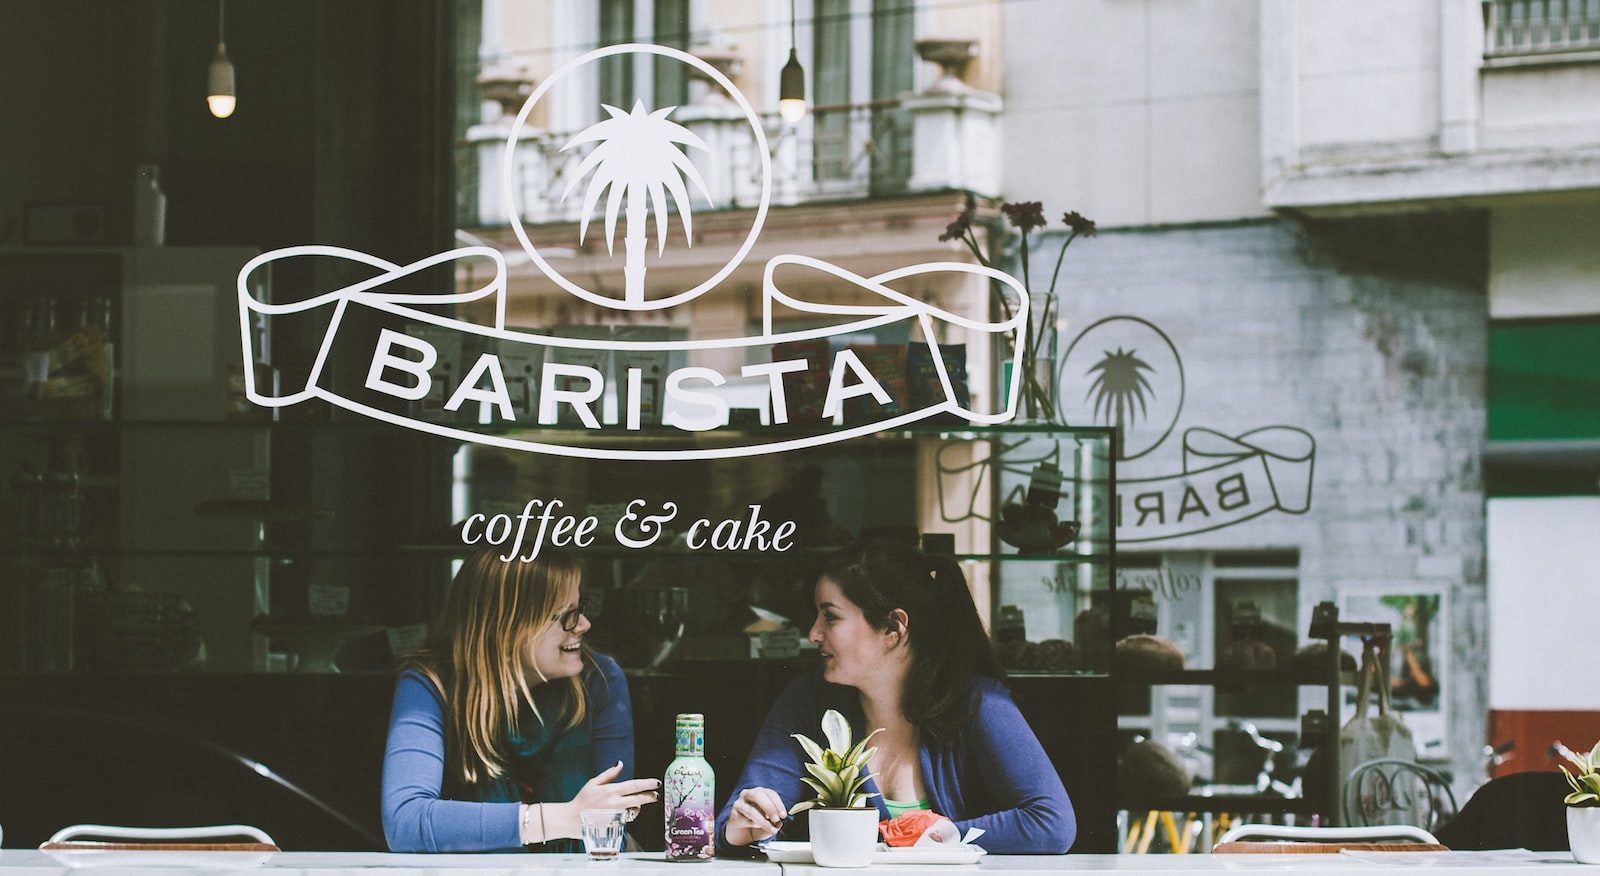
point(903, 649)
point(505, 726)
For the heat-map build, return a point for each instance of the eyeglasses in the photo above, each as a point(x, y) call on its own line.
point(569, 619)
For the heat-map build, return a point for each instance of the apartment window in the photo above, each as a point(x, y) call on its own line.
point(1540, 31)
point(616, 72)
point(671, 25)
point(830, 58)
point(863, 55)
point(893, 53)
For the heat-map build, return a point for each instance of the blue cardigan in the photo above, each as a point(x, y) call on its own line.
point(993, 774)
point(416, 819)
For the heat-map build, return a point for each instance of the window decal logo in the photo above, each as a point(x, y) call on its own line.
point(641, 177)
point(1125, 372)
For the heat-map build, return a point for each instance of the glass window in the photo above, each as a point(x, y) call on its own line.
point(616, 72)
point(831, 59)
point(671, 29)
point(893, 54)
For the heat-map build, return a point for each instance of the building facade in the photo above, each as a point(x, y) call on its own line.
point(1346, 243)
point(1375, 222)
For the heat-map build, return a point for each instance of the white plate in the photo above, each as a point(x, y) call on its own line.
point(783, 852)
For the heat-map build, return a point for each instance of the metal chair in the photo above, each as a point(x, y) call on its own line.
point(1277, 839)
point(1389, 791)
point(172, 839)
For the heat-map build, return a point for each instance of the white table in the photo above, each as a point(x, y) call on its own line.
point(1415, 863)
point(652, 864)
point(365, 863)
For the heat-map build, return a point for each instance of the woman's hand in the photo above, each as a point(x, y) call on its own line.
point(756, 815)
point(600, 792)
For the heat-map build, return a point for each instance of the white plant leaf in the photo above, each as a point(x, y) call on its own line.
point(830, 780)
point(812, 750)
point(837, 729)
point(855, 750)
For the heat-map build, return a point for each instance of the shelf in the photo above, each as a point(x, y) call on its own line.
point(622, 553)
point(197, 553)
point(1086, 559)
point(611, 432)
point(1046, 673)
point(445, 550)
point(262, 510)
point(1231, 678)
point(1245, 804)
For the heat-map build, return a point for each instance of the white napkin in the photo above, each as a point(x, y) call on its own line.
point(944, 835)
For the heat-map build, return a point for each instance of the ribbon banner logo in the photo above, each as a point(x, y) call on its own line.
point(637, 160)
point(1123, 371)
point(1225, 480)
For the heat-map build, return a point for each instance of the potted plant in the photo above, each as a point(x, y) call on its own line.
point(844, 829)
point(1583, 804)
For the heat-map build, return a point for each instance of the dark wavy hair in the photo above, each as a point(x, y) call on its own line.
point(948, 644)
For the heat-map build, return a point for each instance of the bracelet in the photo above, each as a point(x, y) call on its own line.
point(527, 813)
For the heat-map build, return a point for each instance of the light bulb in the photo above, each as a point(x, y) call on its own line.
point(220, 97)
point(792, 90)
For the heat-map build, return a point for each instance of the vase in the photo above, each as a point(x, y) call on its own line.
point(1583, 833)
point(844, 837)
point(1036, 399)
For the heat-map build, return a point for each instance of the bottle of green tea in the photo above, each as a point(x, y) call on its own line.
point(687, 793)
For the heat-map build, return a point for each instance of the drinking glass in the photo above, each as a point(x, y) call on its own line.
point(602, 833)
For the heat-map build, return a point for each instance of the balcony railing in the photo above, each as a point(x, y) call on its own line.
point(1540, 31)
point(837, 152)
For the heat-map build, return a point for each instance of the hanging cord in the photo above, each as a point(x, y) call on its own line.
point(222, 12)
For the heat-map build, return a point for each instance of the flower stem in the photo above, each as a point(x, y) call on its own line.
point(1059, 259)
point(994, 285)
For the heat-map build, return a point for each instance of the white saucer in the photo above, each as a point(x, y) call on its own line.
point(782, 852)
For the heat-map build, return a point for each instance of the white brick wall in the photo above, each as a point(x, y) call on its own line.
point(1385, 371)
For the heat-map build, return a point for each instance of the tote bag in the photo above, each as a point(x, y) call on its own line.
point(1373, 736)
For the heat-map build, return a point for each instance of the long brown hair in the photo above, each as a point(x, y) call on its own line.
point(473, 655)
point(948, 644)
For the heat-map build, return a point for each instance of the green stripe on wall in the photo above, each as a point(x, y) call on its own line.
point(1544, 380)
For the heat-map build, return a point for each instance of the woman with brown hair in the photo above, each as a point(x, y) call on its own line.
point(505, 726)
point(903, 649)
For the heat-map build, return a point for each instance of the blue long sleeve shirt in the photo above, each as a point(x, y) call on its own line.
point(992, 775)
point(415, 816)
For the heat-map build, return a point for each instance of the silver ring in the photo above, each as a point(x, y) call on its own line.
point(630, 813)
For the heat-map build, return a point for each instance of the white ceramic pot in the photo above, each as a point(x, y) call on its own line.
point(1583, 831)
point(844, 837)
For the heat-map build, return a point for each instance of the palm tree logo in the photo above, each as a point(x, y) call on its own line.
point(1119, 384)
point(639, 161)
